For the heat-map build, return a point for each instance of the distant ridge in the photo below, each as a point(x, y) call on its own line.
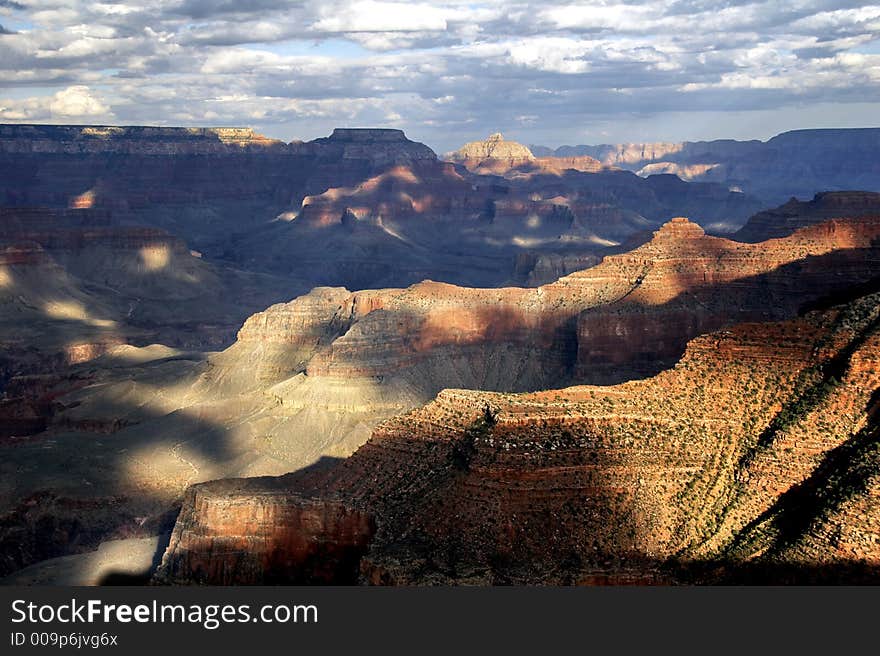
point(797, 163)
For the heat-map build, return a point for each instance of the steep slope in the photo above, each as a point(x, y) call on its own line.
point(795, 214)
point(631, 483)
point(312, 378)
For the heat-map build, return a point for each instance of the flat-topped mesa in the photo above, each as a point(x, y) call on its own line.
point(147, 140)
point(351, 155)
point(374, 142)
point(368, 135)
point(849, 200)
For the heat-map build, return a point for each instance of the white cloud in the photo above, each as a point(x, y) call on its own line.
point(597, 17)
point(77, 101)
point(555, 54)
point(551, 67)
point(372, 16)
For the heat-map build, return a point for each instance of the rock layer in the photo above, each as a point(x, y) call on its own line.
point(362, 208)
point(272, 534)
point(654, 479)
point(785, 219)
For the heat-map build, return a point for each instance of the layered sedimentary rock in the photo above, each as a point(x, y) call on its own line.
point(403, 218)
point(199, 183)
point(685, 283)
point(146, 140)
point(271, 534)
point(698, 474)
point(795, 214)
point(497, 156)
point(628, 316)
point(360, 208)
point(534, 269)
point(493, 147)
point(312, 378)
point(798, 163)
point(632, 310)
point(679, 284)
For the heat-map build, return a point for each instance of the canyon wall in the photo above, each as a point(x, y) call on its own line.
point(650, 481)
point(277, 538)
point(795, 214)
point(360, 208)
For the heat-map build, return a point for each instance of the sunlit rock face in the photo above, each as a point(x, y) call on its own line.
point(497, 156)
point(493, 147)
point(312, 378)
point(563, 462)
point(685, 283)
point(627, 316)
point(153, 246)
point(266, 538)
point(696, 474)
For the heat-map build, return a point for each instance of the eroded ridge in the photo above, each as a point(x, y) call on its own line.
point(644, 481)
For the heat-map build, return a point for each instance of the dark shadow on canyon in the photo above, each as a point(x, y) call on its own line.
point(844, 472)
point(70, 489)
point(56, 537)
point(627, 340)
point(774, 299)
point(225, 205)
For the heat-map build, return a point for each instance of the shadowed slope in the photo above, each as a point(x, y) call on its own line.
point(591, 483)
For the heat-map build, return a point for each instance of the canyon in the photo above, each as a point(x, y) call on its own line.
point(307, 382)
point(492, 348)
point(361, 208)
point(695, 475)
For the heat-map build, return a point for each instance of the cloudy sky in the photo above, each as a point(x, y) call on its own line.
point(447, 71)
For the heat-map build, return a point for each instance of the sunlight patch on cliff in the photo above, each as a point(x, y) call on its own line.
point(84, 201)
point(74, 311)
point(155, 258)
